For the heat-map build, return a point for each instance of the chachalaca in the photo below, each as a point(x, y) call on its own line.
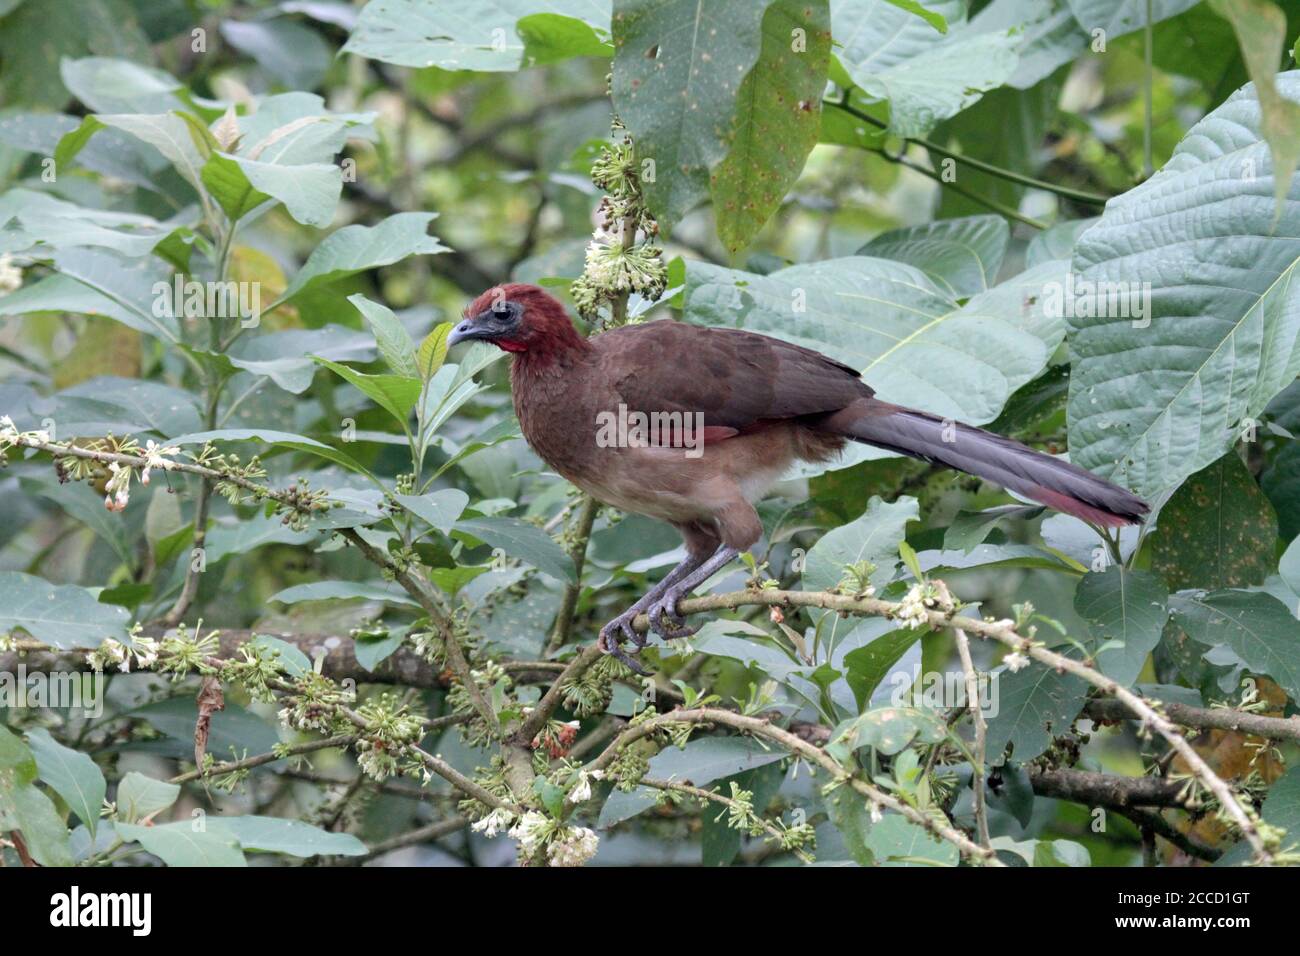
point(736, 409)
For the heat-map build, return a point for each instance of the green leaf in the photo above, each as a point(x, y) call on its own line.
point(678, 67)
point(64, 293)
point(38, 37)
point(1032, 705)
point(1222, 338)
point(970, 528)
point(962, 256)
point(71, 774)
point(180, 844)
point(394, 393)
point(167, 133)
point(777, 119)
point(43, 829)
point(896, 841)
point(1217, 531)
point(343, 590)
point(290, 837)
point(1125, 606)
point(849, 812)
point(867, 666)
point(140, 798)
point(228, 185)
point(873, 536)
point(433, 351)
point(707, 759)
point(493, 35)
point(1258, 628)
point(519, 539)
point(62, 616)
point(439, 509)
point(310, 192)
point(354, 249)
point(1061, 853)
point(926, 77)
point(290, 52)
point(108, 85)
point(394, 342)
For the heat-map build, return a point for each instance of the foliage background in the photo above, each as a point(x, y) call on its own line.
point(777, 172)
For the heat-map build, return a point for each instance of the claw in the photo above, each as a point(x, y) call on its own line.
point(617, 652)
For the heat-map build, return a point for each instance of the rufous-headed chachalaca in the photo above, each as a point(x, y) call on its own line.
point(762, 404)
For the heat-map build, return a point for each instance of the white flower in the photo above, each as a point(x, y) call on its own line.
point(153, 458)
point(581, 791)
point(1015, 661)
point(913, 611)
point(145, 650)
point(495, 822)
point(876, 815)
point(11, 277)
point(573, 846)
point(531, 831)
point(8, 432)
point(118, 487)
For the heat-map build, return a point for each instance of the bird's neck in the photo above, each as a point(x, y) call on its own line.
point(552, 354)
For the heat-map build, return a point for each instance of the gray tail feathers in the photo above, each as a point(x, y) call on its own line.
point(1016, 467)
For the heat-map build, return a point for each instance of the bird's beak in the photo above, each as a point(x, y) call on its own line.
point(464, 331)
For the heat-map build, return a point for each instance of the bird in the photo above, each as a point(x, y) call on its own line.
point(735, 410)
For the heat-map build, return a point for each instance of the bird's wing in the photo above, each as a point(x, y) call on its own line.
point(735, 378)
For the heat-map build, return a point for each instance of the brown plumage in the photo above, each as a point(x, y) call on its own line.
point(763, 404)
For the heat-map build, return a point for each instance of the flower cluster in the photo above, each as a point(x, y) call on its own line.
point(142, 652)
point(390, 730)
point(10, 437)
point(914, 612)
point(617, 264)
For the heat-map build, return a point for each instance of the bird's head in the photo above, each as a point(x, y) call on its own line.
point(516, 318)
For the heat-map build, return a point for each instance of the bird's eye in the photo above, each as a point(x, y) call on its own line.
point(500, 309)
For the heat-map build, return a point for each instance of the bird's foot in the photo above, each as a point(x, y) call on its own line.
point(665, 619)
point(620, 629)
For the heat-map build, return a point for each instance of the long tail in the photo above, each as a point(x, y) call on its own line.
point(1016, 467)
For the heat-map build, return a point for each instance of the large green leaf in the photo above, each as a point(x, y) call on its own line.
point(61, 615)
point(344, 590)
point(291, 837)
point(777, 119)
point(354, 249)
point(491, 35)
point(1259, 629)
point(926, 77)
point(181, 844)
point(1150, 405)
point(394, 342)
point(439, 509)
point(1261, 30)
point(1217, 531)
point(678, 69)
point(396, 394)
point(962, 256)
point(140, 798)
point(38, 37)
point(1126, 607)
point(1032, 706)
point(71, 774)
point(519, 539)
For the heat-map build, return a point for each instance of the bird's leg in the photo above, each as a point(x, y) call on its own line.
point(666, 603)
point(620, 628)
